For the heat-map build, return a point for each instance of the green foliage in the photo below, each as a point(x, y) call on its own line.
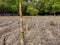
point(56, 7)
point(8, 6)
point(30, 7)
point(32, 10)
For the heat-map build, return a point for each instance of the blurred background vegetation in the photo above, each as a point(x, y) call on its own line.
point(30, 7)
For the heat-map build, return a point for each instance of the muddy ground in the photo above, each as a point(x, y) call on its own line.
point(48, 32)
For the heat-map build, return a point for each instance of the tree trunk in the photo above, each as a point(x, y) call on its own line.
point(21, 25)
point(54, 13)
